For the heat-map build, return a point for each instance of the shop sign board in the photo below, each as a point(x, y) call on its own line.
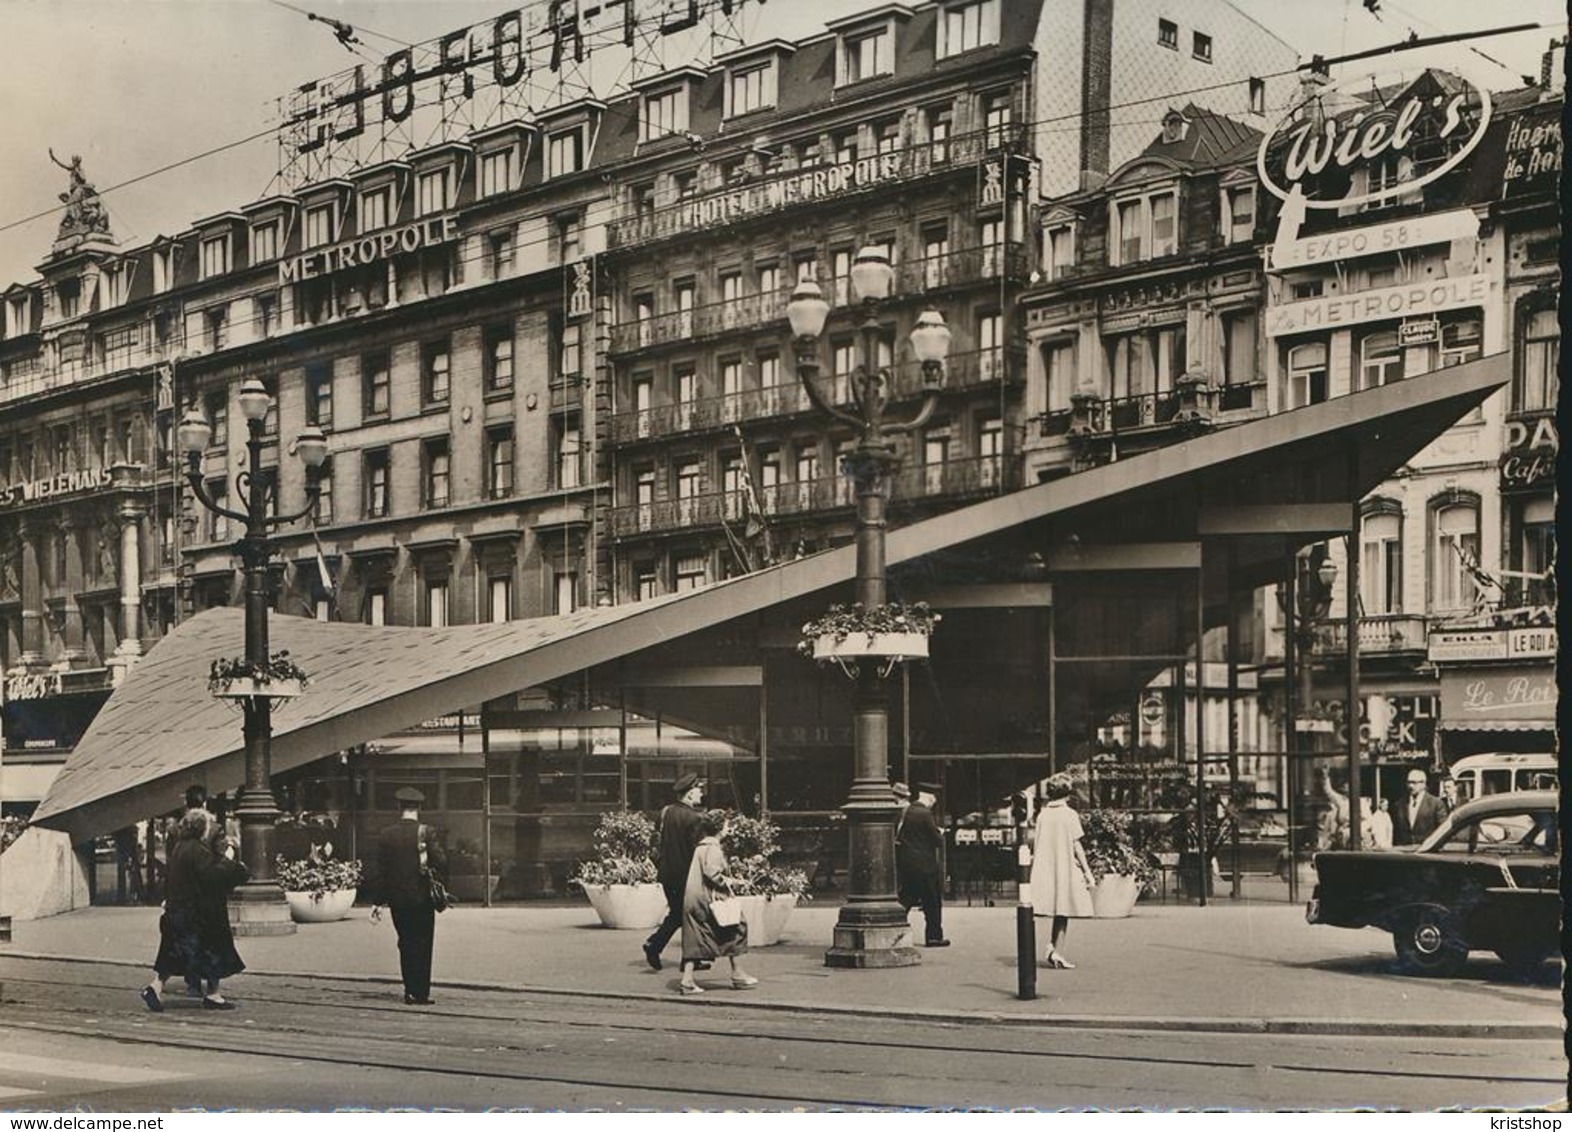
point(1535, 641)
point(1530, 459)
point(1482, 695)
point(31, 686)
point(1331, 311)
point(1467, 644)
point(1533, 153)
point(1399, 235)
point(1418, 332)
point(63, 483)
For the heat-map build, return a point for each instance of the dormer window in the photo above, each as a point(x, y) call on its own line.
point(750, 88)
point(163, 269)
point(1175, 128)
point(1059, 248)
point(665, 113)
point(565, 152)
point(965, 26)
point(867, 54)
point(215, 256)
point(1144, 227)
point(264, 241)
point(320, 226)
point(376, 208)
point(497, 172)
point(433, 192)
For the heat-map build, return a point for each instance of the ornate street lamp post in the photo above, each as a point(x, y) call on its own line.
point(261, 909)
point(1311, 600)
point(871, 930)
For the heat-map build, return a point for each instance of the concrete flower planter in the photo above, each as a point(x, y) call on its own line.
point(858, 646)
point(307, 908)
point(628, 907)
point(1114, 897)
point(247, 687)
point(766, 917)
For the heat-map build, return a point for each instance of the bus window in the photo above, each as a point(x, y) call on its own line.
point(1495, 782)
point(1536, 780)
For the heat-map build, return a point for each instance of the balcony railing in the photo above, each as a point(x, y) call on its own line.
point(1151, 411)
point(742, 313)
point(826, 182)
point(1379, 634)
point(979, 475)
point(963, 371)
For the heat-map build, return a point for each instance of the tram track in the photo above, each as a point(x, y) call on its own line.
point(734, 1024)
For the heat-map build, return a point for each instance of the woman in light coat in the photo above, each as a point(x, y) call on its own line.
point(1061, 876)
point(702, 938)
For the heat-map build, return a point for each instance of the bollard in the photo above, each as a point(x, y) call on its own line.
point(1025, 928)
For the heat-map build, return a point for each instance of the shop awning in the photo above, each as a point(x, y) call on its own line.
point(160, 731)
point(1509, 697)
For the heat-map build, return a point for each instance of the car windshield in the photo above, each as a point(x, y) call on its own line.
point(1507, 833)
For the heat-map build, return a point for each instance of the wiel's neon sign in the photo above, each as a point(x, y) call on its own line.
point(1312, 142)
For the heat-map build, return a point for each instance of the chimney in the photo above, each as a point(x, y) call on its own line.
point(1552, 67)
point(1096, 86)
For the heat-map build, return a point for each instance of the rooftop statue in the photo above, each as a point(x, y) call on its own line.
point(84, 210)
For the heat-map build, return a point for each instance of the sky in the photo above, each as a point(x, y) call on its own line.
point(136, 85)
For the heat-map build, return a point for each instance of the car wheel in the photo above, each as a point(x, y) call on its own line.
point(1526, 961)
point(1427, 944)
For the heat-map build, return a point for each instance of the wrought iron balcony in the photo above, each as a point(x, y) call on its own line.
point(970, 370)
point(953, 479)
point(825, 183)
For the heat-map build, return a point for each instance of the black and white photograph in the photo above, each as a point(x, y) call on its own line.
point(830, 556)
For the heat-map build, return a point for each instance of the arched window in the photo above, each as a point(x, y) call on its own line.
point(1381, 560)
point(1306, 375)
point(1454, 549)
point(1380, 359)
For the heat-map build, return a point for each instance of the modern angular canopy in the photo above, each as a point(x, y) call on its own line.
point(160, 730)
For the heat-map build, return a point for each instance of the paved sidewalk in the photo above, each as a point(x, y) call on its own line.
point(1245, 966)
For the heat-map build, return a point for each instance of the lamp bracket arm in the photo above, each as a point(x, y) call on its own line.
point(930, 402)
point(824, 406)
point(201, 492)
point(312, 492)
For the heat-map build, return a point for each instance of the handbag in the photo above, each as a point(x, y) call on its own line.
point(726, 912)
point(436, 892)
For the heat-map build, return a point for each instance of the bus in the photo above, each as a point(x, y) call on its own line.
point(1479, 775)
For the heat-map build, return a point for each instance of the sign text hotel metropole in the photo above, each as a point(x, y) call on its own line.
point(368, 249)
point(808, 185)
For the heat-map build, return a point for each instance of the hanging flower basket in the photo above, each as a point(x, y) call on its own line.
point(279, 678)
point(885, 634)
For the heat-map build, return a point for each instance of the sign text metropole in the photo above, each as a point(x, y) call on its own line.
point(368, 249)
point(1402, 301)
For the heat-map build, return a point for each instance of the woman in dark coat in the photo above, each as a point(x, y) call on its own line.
point(702, 937)
point(196, 940)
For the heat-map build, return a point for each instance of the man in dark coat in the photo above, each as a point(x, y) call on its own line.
point(919, 844)
point(675, 842)
point(1416, 817)
point(406, 849)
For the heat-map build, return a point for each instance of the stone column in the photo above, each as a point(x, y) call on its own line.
point(72, 631)
point(131, 512)
point(32, 595)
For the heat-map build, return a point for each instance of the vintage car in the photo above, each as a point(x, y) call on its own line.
point(1487, 879)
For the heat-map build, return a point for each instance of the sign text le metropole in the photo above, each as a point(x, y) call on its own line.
point(1381, 303)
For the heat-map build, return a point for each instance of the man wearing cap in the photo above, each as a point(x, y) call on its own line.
point(405, 850)
point(1415, 817)
point(678, 837)
point(920, 876)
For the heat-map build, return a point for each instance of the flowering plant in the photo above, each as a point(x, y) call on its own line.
point(842, 621)
point(749, 844)
point(11, 827)
point(1110, 848)
point(624, 840)
point(277, 667)
point(319, 874)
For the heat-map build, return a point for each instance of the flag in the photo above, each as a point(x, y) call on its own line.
point(322, 567)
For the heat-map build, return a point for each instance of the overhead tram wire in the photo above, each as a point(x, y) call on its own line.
point(1313, 64)
point(1421, 20)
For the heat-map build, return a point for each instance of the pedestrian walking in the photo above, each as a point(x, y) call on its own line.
point(1381, 826)
point(704, 938)
point(919, 868)
point(195, 936)
point(409, 858)
point(1417, 816)
point(1061, 876)
point(675, 841)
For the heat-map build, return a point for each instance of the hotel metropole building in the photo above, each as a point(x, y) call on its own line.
point(552, 360)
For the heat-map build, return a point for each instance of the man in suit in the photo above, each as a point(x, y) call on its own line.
point(404, 851)
point(1417, 816)
point(675, 841)
point(919, 870)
